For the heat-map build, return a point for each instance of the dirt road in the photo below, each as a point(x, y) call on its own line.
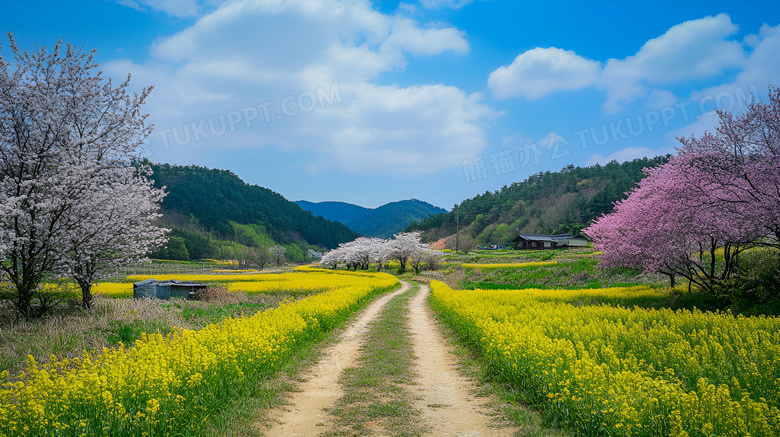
point(446, 401)
point(306, 416)
point(444, 395)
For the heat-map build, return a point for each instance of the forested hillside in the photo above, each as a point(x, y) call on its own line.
point(382, 222)
point(216, 214)
point(549, 202)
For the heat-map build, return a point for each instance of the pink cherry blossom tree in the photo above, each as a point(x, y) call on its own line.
point(742, 159)
point(664, 227)
point(693, 216)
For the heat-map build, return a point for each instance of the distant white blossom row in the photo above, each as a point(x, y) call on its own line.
point(405, 247)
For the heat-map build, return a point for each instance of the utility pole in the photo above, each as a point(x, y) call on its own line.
point(457, 228)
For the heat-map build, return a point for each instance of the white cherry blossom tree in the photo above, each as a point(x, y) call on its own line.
point(277, 254)
point(115, 225)
point(68, 141)
point(361, 252)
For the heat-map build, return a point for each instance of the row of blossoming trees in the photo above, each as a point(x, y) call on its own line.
point(405, 248)
point(72, 200)
point(711, 209)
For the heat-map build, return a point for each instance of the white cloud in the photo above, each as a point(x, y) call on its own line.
point(761, 68)
point(696, 49)
point(542, 71)
point(175, 8)
point(658, 99)
point(438, 4)
point(692, 50)
point(261, 52)
point(420, 129)
point(628, 154)
point(406, 35)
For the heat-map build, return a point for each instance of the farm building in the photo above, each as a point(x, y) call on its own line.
point(542, 242)
point(166, 289)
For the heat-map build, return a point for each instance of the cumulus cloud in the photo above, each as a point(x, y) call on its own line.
point(689, 51)
point(539, 71)
point(265, 53)
point(419, 129)
point(761, 68)
point(407, 36)
point(696, 49)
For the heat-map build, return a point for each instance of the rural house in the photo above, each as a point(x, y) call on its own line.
point(542, 242)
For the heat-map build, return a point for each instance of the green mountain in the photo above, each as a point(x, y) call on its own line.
point(382, 222)
point(217, 215)
point(545, 203)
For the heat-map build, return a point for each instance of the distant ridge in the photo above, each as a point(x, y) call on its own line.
point(215, 214)
point(381, 222)
point(559, 202)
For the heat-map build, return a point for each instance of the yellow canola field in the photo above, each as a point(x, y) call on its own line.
point(295, 283)
point(315, 280)
point(510, 265)
point(113, 289)
point(230, 262)
point(209, 278)
point(610, 370)
point(169, 385)
point(105, 289)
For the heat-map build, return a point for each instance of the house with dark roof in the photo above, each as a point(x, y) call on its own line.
point(543, 242)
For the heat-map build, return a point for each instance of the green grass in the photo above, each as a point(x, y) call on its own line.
point(579, 272)
point(217, 313)
point(477, 257)
point(119, 331)
point(375, 395)
point(16, 347)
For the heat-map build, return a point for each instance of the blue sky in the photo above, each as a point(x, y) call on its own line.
point(371, 102)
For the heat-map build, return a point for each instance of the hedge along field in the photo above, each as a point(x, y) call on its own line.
point(171, 384)
point(302, 281)
point(611, 370)
point(509, 265)
point(209, 277)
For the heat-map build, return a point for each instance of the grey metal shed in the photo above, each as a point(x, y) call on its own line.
point(166, 289)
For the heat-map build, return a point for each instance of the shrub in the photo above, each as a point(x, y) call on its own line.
point(755, 281)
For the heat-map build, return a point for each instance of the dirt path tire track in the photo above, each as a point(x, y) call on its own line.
point(446, 399)
point(305, 415)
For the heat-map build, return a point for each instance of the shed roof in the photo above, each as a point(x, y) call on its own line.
point(171, 282)
point(539, 237)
